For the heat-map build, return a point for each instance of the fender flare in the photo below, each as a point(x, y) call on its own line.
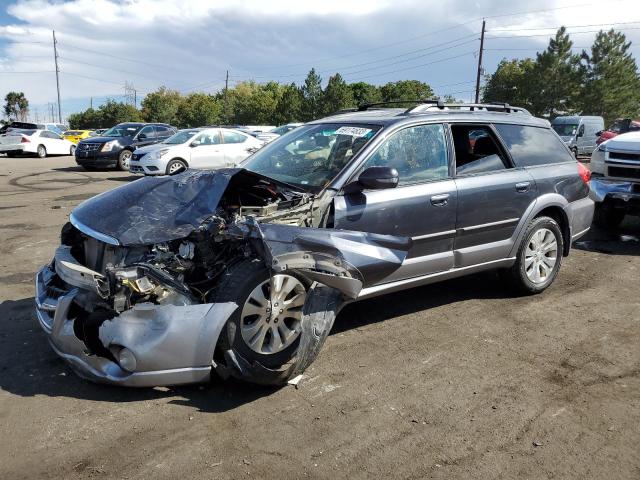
point(537, 206)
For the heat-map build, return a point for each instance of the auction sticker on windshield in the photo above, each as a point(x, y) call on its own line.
point(353, 131)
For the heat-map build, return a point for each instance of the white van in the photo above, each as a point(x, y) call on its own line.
point(579, 133)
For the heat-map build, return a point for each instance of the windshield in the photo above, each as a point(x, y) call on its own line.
point(122, 131)
point(312, 155)
point(565, 129)
point(182, 136)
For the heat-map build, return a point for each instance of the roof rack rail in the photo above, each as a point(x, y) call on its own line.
point(491, 107)
point(366, 106)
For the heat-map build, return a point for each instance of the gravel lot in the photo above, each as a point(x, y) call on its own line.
point(455, 380)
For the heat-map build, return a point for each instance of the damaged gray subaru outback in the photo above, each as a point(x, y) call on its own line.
point(241, 272)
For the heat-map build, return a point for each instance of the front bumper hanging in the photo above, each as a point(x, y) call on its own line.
point(171, 345)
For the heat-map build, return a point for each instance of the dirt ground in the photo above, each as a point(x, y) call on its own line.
point(450, 381)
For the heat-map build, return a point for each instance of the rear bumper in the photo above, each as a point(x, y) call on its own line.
point(14, 148)
point(580, 215)
point(172, 344)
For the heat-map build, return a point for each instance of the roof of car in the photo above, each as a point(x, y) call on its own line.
point(389, 116)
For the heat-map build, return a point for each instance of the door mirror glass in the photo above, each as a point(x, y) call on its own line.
point(195, 143)
point(378, 178)
point(142, 136)
point(599, 132)
point(581, 131)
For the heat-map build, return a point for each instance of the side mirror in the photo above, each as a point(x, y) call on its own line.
point(195, 143)
point(581, 131)
point(599, 132)
point(378, 178)
point(142, 136)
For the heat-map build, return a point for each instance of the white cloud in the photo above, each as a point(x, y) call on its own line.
point(187, 44)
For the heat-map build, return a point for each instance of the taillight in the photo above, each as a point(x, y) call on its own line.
point(584, 172)
point(25, 140)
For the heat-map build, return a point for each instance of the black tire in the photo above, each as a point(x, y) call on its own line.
point(272, 369)
point(123, 160)
point(175, 163)
point(607, 217)
point(575, 152)
point(516, 277)
point(41, 151)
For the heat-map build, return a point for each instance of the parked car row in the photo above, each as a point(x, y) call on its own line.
point(194, 148)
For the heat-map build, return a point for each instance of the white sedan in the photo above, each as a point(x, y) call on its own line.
point(199, 148)
point(40, 142)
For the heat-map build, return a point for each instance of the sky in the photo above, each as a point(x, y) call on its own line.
point(189, 45)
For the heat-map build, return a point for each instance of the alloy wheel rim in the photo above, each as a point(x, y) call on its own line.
point(125, 159)
point(272, 314)
point(41, 151)
point(175, 167)
point(541, 255)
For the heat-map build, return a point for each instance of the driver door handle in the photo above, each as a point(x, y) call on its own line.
point(523, 187)
point(440, 200)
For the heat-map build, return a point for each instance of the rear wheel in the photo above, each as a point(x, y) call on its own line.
point(539, 257)
point(123, 160)
point(41, 151)
point(175, 166)
point(605, 216)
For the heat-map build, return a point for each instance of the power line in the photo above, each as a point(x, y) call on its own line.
point(557, 27)
point(22, 72)
point(418, 66)
point(548, 35)
point(394, 57)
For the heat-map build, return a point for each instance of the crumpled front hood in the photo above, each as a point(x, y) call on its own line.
point(159, 209)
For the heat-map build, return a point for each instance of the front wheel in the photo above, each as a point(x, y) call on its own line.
point(41, 151)
point(271, 337)
point(123, 160)
point(539, 257)
point(175, 166)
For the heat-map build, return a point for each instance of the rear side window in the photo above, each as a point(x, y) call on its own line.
point(233, 137)
point(531, 146)
point(477, 150)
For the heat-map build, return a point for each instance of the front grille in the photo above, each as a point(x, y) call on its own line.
point(635, 157)
point(89, 147)
point(621, 172)
point(136, 169)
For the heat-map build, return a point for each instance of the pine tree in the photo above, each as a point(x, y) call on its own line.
point(337, 95)
point(556, 78)
point(511, 83)
point(312, 96)
point(612, 80)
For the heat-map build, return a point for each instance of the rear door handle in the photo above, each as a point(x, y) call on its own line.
point(523, 187)
point(440, 200)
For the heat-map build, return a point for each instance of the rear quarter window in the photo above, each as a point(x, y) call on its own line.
point(531, 146)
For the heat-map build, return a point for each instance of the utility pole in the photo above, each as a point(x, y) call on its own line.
point(226, 104)
point(91, 103)
point(55, 58)
point(480, 62)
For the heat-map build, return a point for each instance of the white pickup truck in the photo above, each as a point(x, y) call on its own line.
point(615, 179)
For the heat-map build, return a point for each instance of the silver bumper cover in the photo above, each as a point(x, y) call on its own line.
point(172, 345)
point(601, 189)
